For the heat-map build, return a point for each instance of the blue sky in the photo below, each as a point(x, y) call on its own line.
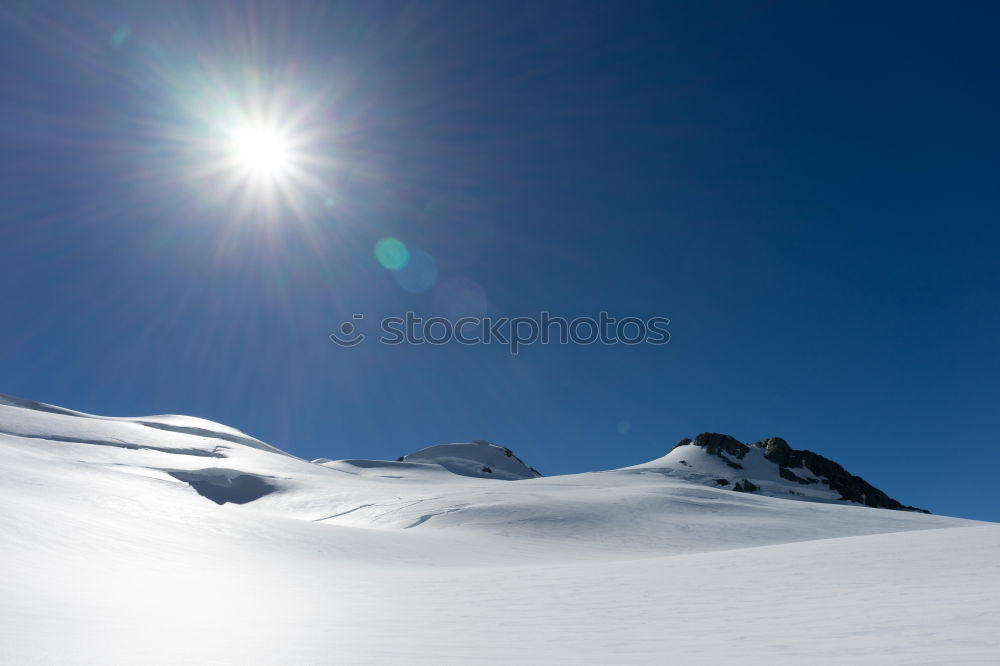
point(807, 191)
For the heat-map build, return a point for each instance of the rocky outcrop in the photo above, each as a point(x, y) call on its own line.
point(850, 487)
point(799, 466)
point(723, 446)
point(716, 443)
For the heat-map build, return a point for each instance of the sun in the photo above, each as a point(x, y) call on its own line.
point(265, 162)
point(255, 156)
point(260, 151)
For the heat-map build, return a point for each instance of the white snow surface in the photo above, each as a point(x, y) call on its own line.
point(110, 556)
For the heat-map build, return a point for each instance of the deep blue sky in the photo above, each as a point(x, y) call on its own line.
point(807, 190)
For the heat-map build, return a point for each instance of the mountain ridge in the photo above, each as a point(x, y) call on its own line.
point(773, 467)
point(769, 467)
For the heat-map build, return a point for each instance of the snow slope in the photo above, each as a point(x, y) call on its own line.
point(115, 549)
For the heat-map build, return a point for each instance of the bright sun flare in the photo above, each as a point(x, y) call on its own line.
point(261, 151)
point(263, 159)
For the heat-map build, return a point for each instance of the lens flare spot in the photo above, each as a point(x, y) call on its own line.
point(419, 274)
point(392, 253)
point(120, 36)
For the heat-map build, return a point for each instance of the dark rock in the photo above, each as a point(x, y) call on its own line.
point(734, 465)
point(744, 487)
point(715, 443)
point(852, 488)
point(722, 482)
point(786, 473)
point(683, 442)
point(776, 450)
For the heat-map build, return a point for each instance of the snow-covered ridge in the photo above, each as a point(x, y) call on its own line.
point(38, 419)
point(769, 467)
point(478, 458)
point(440, 487)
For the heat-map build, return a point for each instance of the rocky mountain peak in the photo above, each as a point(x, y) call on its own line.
point(774, 467)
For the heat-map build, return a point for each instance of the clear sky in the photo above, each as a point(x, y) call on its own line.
point(807, 190)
